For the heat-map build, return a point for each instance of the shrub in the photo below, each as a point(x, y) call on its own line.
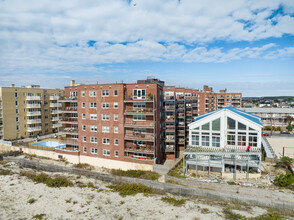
point(231, 183)
point(285, 159)
point(83, 166)
point(173, 201)
point(39, 216)
point(285, 179)
point(125, 189)
point(31, 201)
point(149, 175)
point(5, 172)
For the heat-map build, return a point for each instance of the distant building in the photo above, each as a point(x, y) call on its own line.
point(28, 111)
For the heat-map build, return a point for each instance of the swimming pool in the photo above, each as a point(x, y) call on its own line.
point(52, 144)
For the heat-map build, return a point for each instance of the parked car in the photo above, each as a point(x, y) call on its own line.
point(284, 132)
point(265, 134)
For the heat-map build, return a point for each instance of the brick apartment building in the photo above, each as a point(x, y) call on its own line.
point(145, 122)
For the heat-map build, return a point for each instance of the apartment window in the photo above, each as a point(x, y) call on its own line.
point(93, 116)
point(205, 139)
point(46, 116)
point(115, 129)
point(105, 105)
point(93, 140)
point(139, 105)
point(115, 117)
point(116, 153)
point(115, 105)
point(105, 141)
point(84, 127)
point(215, 140)
point(92, 93)
point(74, 136)
point(106, 152)
point(83, 116)
point(93, 128)
point(115, 92)
point(15, 95)
point(105, 129)
point(24, 94)
point(16, 111)
point(16, 103)
point(16, 119)
point(115, 141)
point(139, 117)
point(46, 123)
point(94, 150)
point(85, 149)
point(105, 93)
point(83, 105)
point(75, 147)
point(74, 93)
point(93, 105)
point(84, 139)
point(105, 117)
point(17, 127)
point(83, 93)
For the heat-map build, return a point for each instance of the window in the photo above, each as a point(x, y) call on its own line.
point(105, 117)
point(16, 119)
point(83, 105)
point(105, 93)
point(93, 116)
point(116, 153)
point(115, 118)
point(92, 93)
point(241, 126)
point(241, 138)
point(84, 139)
point(215, 140)
point(94, 150)
point(105, 141)
point(195, 140)
point(139, 117)
point(84, 127)
point(83, 93)
point(205, 126)
point(106, 152)
point(231, 123)
point(83, 116)
point(75, 147)
point(16, 95)
point(205, 139)
point(216, 125)
point(115, 129)
point(85, 149)
point(231, 138)
point(46, 123)
point(252, 138)
point(93, 128)
point(105, 129)
point(139, 105)
point(16, 103)
point(93, 105)
point(115, 141)
point(105, 105)
point(74, 93)
point(17, 127)
point(93, 140)
point(139, 94)
point(16, 111)
point(115, 105)
point(115, 93)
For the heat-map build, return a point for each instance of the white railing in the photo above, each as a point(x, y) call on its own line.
point(34, 121)
point(56, 112)
point(33, 105)
point(1, 132)
point(55, 105)
point(5, 142)
point(55, 118)
point(37, 128)
point(33, 113)
point(0, 115)
point(56, 125)
point(33, 98)
point(54, 97)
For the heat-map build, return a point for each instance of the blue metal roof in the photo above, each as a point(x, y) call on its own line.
point(249, 116)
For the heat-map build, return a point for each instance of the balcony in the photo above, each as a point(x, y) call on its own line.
point(74, 131)
point(169, 108)
point(170, 129)
point(33, 105)
point(1, 115)
point(181, 115)
point(139, 124)
point(32, 129)
point(0, 106)
point(140, 148)
point(33, 98)
point(170, 138)
point(138, 99)
point(180, 97)
point(55, 105)
point(181, 141)
point(140, 136)
point(181, 106)
point(34, 121)
point(36, 113)
point(169, 118)
point(54, 98)
point(1, 132)
point(69, 109)
point(167, 98)
point(53, 112)
point(68, 141)
point(57, 125)
point(68, 99)
point(169, 148)
point(69, 121)
point(55, 118)
point(139, 111)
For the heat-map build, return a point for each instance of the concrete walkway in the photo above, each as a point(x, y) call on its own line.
point(173, 163)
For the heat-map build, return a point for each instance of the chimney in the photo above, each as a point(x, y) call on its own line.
point(72, 83)
point(12, 85)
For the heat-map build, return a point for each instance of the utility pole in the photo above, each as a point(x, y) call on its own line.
point(271, 117)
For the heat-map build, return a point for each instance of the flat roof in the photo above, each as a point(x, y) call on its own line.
point(269, 110)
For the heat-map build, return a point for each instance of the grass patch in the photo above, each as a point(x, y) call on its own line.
point(270, 215)
point(39, 216)
point(125, 189)
point(172, 182)
point(173, 201)
point(2, 162)
point(231, 183)
point(148, 175)
point(84, 166)
point(49, 181)
point(5, 172)
point(177, 171)
point(31, 201)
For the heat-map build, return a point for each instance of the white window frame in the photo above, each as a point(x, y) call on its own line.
point(105, 105)
point(115, 117)
point(114, 92)
point(93, 105)
point(106, 152)
point(105, 141)
point(85, 149)
point(84, 127)
point(105, 93)
point(83, 105)
point(105, 129)
point(83, 116)
point(115, 105)
point(93, 116)
point(93, 128)
point(83, 93)
point(93, 140)
point(139, 117)
point(92, 93)
point(105, 117)
point(84, 139)
point(115, 130)
point(116, 153)
point(94, 150)
point(115, 141)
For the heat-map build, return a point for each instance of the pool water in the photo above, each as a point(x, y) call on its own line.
point(52, 144)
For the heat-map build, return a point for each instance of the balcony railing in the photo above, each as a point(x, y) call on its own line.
point(169, 148)
point(140, 148)
point(139, 111)
point(69, 120)
point(69, 109)
point(169, 108)
point(54, 105)
point(69, 131)
point(56, 118)
point(170, 128)
point(54, 97)
point(57, 125)
point(169, 118)
point(169, 98)
point(141, 136)
point(33, 113)
point(33, 105)
point(56, 111)
point(37, 128)
point(69, 141)
point(1, 115)
point(68, 99)
point(139, 124)
point(139, 99)
point(170, 139)
point(34, 121)
point(33, 98)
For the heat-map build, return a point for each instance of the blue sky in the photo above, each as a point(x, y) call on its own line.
point(242, 45)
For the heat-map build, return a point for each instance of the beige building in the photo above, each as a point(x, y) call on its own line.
point(29, 111)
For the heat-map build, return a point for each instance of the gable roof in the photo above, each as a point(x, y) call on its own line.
point(249, 116)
